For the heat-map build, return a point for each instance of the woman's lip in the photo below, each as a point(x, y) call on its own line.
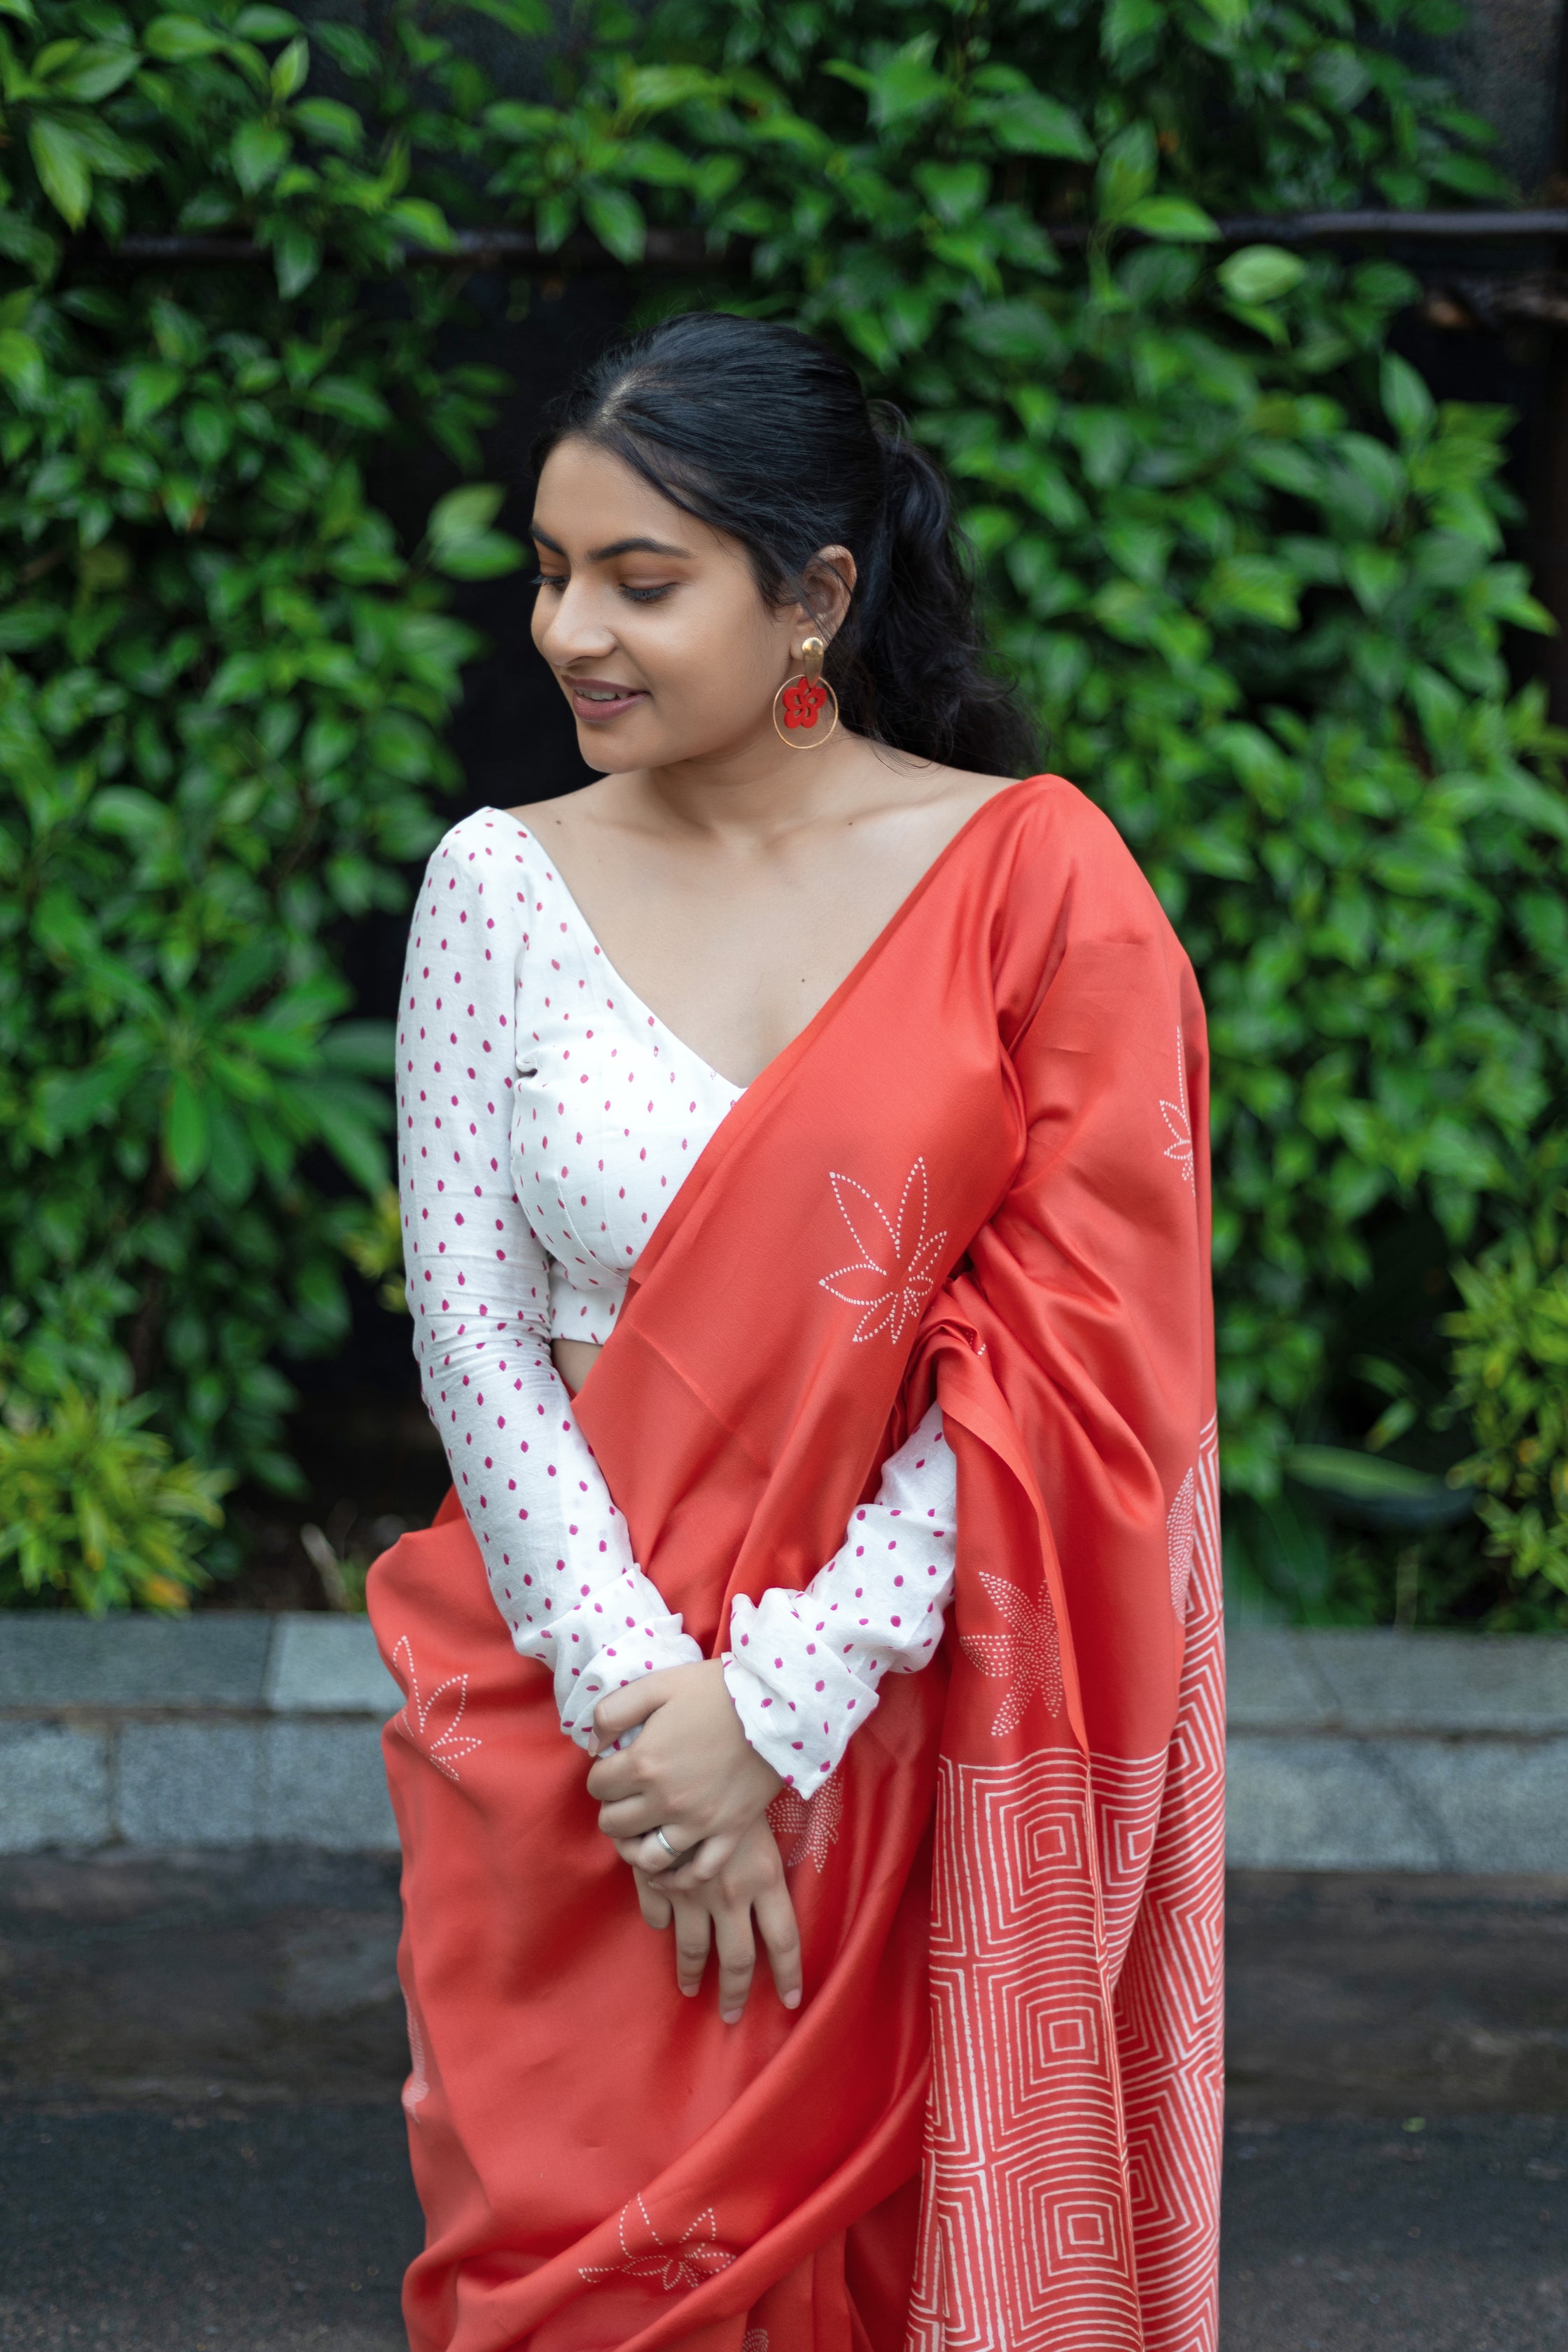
point(602, 697)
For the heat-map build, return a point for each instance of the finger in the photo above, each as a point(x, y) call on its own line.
point(617, 1773)
point(619, 1709)
point(646, 1854)
point(692, 1928)
point(780, 1932)
point(701, 1864)
point(654, 1906)
point(737, 1959)
point(631, 1817)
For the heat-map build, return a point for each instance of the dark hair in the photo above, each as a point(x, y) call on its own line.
point(767, 436)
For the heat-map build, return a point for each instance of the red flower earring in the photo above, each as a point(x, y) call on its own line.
point(799, 703)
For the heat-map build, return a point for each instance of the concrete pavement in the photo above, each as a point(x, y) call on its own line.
point(200, 2148)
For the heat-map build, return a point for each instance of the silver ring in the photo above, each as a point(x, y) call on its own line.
point(673, 1850)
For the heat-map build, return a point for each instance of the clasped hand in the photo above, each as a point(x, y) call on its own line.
point(692, 1773)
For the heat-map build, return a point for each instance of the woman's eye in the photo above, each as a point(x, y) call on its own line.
point(647, 595)
point(548, 580)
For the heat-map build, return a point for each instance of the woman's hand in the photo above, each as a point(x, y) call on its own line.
point(751, 1886)
point(691, 1772)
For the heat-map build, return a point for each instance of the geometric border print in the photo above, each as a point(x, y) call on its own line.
point(1070, 2189)
point(1170, 1995)
point(1025, 2238)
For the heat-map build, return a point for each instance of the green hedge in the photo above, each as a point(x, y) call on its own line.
point(1253, 580)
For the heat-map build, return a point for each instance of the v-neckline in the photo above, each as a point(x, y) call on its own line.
point(627, 992)
point(915, 890)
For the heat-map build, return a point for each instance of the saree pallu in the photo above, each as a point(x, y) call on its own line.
point(979, 1174)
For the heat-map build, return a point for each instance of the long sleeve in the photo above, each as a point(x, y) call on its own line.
point(555, 1548)
point(803, 1667)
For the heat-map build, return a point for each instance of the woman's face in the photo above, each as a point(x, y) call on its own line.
point(652, 621)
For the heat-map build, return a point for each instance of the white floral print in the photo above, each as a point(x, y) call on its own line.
point(1179, 1147)
point(811, 1822)
point(895, 1271)
point(431, 1724)
point(682, 2264)
point(1028, 1656)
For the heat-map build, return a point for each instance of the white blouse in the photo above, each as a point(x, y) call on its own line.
point(546, 1120)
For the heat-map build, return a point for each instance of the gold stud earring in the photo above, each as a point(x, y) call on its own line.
point(798, 705)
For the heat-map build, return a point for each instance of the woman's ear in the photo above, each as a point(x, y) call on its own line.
point(828, 581)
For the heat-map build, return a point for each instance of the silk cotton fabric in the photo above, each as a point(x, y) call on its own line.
point(546, 1119)
point(979, 1175)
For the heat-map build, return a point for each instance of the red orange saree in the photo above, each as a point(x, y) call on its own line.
point(995, 2123)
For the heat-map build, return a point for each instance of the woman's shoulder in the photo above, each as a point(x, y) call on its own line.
point(1058, 817)
point(487, 854)
point(1068, 857)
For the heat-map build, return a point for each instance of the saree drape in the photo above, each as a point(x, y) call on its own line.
point(979, 1173)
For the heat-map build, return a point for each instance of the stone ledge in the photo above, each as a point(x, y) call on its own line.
point(1377, 1684)
point(1348, 1750)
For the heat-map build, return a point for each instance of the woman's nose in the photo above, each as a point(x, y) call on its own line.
point(572, 625)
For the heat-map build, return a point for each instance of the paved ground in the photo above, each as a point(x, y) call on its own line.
point(200, 2148)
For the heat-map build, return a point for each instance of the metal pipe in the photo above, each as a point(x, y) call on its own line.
point(688, 249)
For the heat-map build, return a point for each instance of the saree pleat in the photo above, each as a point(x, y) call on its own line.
point(979, 1173)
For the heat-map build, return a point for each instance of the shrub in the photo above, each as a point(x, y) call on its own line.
point(1510, 1365)
point(94, 1512)
point(1252, 577)
point(222, 687)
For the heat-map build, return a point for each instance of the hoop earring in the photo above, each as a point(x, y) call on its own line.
point(799, 702)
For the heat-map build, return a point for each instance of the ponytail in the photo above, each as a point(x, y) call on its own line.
point(767, 434)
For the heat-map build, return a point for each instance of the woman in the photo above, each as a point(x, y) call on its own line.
point(805, 1206)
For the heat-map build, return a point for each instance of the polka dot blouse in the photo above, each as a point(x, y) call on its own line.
point(546, 1119)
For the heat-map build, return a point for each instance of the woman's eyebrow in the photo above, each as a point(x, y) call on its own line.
point(634, 547)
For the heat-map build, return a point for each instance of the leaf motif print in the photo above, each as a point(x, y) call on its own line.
point(1180, 1148)
point(683, 2263)
point(895, 1271)
point(1028, 1657)
point(417, 2086)
point(1180, 1534)
point(812, 1822)
point(431, 1724)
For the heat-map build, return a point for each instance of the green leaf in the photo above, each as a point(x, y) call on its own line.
point(355, 403)
point(258, 152)
point(187, 1137)
point(365, 1047)
point(289, 68)
point(616, 219)
point(487, 555)
point(296, 256)
point(1260, 273)
point(1127, 170)
point(260, 22)
point(463, 513)
point(909, 87)
point(1171, 217)
point(333, 124)
point(61, 157)
point(150, 386)
point(1254, 586)
point(425, 224)
point(21, 365)
point(955, 192)
point(1127, 21)
point(97, 71)
point(1406, 403)
point(1032, 124)
point(1385, 1492)
point(176, 39)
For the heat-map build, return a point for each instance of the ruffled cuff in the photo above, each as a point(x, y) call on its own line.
point(798, 1706)
point(616, 1635)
